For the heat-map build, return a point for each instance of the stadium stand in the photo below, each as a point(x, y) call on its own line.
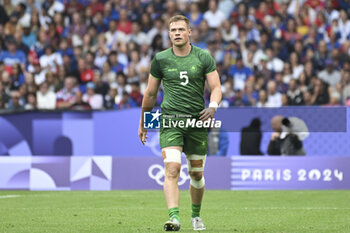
point(268, 53)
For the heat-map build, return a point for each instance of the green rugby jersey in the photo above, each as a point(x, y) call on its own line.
point(183, 79)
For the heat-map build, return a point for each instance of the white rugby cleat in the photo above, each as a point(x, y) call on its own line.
point(197, 224)
point(172, 225)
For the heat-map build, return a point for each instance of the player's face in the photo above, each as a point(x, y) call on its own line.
point(179, 33)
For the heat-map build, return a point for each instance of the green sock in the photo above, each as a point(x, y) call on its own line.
point(174, 213)
point(195, 210)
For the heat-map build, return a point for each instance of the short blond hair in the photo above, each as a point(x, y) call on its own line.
point(179, 18)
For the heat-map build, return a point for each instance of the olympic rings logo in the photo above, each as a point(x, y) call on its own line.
point(156, 172)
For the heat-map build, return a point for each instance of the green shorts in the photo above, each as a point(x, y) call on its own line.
point(192, 140)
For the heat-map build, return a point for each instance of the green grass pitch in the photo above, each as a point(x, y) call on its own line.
point(145, 211)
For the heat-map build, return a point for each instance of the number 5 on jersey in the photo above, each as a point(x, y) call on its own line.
point(183, 75)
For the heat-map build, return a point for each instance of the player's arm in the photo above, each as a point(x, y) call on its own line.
point(148, 102)
point(215, 96)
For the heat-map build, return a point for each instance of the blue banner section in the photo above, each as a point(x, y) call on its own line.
point(115, 132)
point(317, 119)
point(142, 173)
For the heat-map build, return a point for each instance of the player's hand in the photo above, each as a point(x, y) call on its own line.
point(207, 113)
point(142, 134)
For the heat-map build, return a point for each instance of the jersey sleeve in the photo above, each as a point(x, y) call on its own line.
point(209, 63)
point(156, 72)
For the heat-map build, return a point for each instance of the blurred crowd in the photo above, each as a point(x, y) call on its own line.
point(96, 54)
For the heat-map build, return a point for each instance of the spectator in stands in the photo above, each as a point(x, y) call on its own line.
point(55, 6)
point(51, 59)
point(227, 94)
point(307, 96)
point(294, 95)
point(96, 6)
point(39, 73)
point(24, 16)
point(267, 35)
point(2, 105)
point(194, 15)
point(281, 86)
point(214, 16)
point(85, 71)
point(31, 103)
point(4, 97)
point(65, 97)
point(101, 87)
point(274, 98)
point(253, 33)
point(6, 82)
point(256, 53)
point(11, 24)
point(77, 26)
point(250, 95)
point(321, 55)
point(238, 99)
point(46, 98)
point(17, 76)
point(320, 95)
point(100, 59)
point(99, 23)
point(229, 31)
point(116, 66)
point(262, 101)
point(309, 71)
point(240, 73)
point(346, 88)
point(2, 65)
point(108, 75)
point(287, 72)
point(171, 10)
point(158, 29)
point(157, 45)
point(344, 25)
point(297, 67)
point(20, 45)
point(136, 35)
point(92, 98)
point(334, 99)
point(28, 37)
point(12, 55)
point(330, 75)
point(125, 102)
point(205, 32)
point(274, 64)
point(124, 24)
point(262, 70)
point(15, 102)
point(110, 98)
point(79, 103)
point(279, 50)
point(135, 93)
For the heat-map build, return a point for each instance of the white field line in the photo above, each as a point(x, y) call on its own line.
point(150, 208)
point(8, 196)
point(292, 208)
